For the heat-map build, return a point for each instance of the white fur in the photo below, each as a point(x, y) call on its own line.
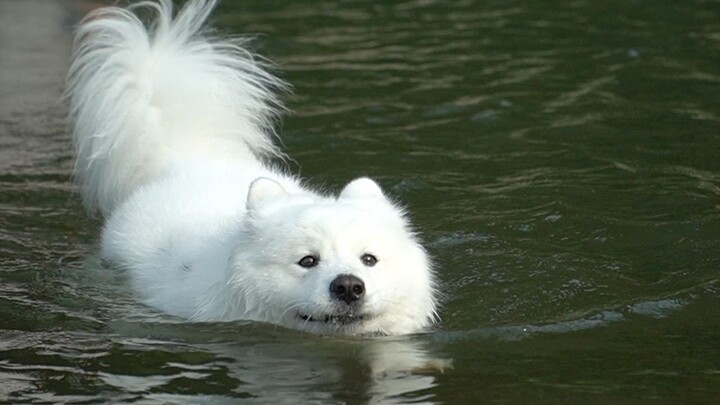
point(172, 130)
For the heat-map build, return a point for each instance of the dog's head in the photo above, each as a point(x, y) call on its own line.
point(342, 266)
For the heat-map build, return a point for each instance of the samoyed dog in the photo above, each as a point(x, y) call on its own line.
point(173, 129)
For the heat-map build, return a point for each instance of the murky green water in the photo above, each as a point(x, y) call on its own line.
point(562, 160)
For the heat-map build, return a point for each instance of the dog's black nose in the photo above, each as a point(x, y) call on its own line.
point(348, 288)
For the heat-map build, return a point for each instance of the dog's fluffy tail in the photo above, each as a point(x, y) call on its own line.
point(145, 95)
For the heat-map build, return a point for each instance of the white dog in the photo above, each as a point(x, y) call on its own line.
point(173, 131)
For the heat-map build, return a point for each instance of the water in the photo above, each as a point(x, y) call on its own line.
point(559, 158)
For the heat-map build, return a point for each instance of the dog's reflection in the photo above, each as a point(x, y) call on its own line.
point(368, 371)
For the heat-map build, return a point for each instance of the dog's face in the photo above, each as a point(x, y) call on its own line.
point(342, 266)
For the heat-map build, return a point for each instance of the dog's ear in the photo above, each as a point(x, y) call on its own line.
point(263, 190)
point(362, 188)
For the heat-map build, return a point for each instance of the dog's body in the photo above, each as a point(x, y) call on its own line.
point(173, 134)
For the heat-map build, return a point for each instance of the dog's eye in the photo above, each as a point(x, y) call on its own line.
point(309, 261)
point(368, 260)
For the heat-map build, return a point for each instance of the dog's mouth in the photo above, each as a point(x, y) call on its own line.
point(337, 319)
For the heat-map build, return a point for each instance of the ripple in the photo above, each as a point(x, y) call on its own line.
point(459, 238)
point(657, 309)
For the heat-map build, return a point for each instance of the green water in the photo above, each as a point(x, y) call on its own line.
point(561, 160)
